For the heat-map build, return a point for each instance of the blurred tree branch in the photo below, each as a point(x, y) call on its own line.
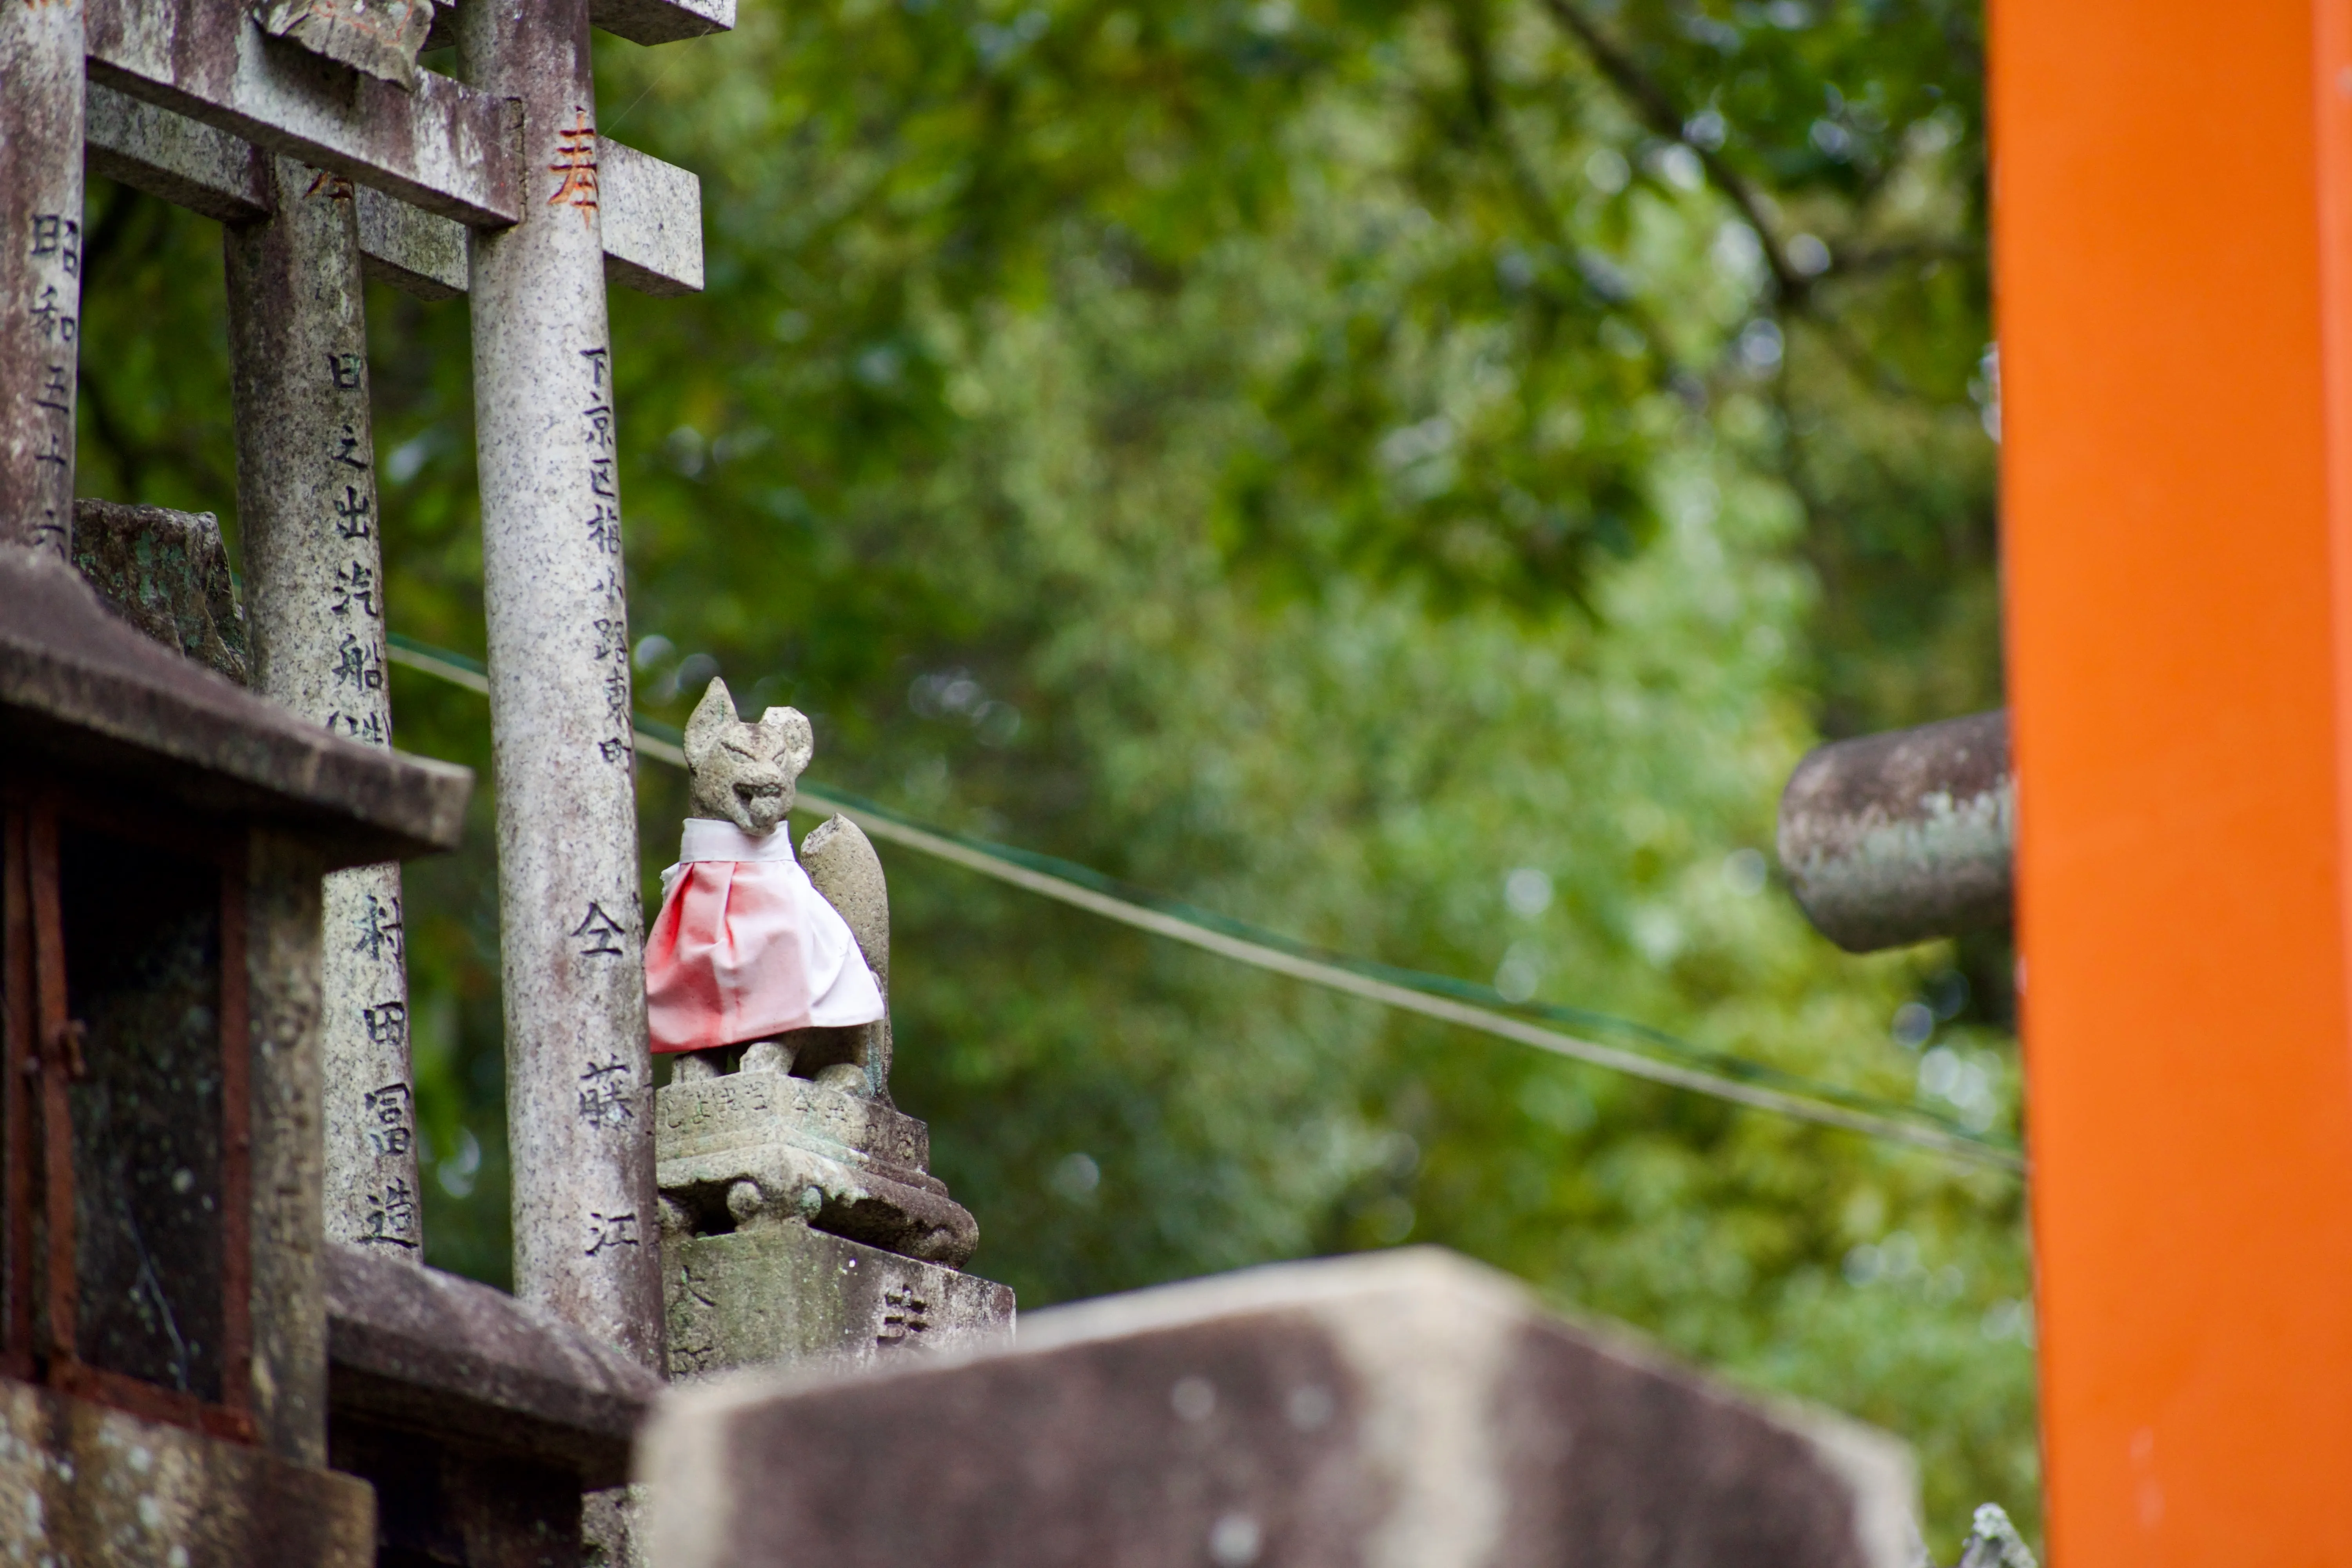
point(1655, 108)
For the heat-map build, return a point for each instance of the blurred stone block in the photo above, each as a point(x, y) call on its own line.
point(82, 1485)
point(1402, 1410)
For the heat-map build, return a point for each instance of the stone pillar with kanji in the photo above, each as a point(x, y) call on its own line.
point(578, 1090)
point(40, 269)
point(315, 606)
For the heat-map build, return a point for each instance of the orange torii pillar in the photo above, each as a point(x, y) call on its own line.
point(2172, 219)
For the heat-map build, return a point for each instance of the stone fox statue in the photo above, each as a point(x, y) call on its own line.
point(753, 948)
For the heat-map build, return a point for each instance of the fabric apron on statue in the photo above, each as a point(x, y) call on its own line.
point(745, 947)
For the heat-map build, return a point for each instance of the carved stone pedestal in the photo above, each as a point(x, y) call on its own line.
point(800, 1221)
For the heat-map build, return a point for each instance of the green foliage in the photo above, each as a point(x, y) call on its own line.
point(1316, 460)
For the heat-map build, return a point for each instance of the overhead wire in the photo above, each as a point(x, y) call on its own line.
point(1661, 1058)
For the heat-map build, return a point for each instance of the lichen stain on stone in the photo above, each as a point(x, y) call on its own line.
point(1978, 828)
point(146, 1493)
point(1896, 879)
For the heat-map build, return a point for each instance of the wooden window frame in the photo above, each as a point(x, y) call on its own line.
point(40, 1053)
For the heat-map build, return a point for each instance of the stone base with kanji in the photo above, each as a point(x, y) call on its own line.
point(800, 1221)
point(788, 1293)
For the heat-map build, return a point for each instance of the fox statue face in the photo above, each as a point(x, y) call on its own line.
point(745, 774)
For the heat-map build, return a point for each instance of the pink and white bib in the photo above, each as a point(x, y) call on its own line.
point(745, 947)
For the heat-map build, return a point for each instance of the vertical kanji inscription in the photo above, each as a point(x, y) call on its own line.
point(41, 75)
point(554, 589)
point(316, 608)
point(574, 165)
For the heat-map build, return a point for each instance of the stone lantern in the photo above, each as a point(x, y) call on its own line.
point(163, 1326)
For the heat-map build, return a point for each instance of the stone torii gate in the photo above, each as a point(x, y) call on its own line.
point(492, 182)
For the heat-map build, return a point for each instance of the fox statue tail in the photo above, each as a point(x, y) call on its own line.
point(840, 861)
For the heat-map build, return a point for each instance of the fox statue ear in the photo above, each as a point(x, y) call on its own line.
point(712, 715)
point(800, 738)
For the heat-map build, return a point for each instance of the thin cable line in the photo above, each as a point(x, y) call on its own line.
point(1437, 997)
point(621, 118)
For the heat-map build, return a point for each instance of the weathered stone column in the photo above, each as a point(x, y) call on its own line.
point(288, 1292)
point(40, 268)
point(578, 1077)
point(314, 606)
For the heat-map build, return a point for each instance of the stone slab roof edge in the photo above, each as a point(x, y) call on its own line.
point(416, 1349)
point(79, 682)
